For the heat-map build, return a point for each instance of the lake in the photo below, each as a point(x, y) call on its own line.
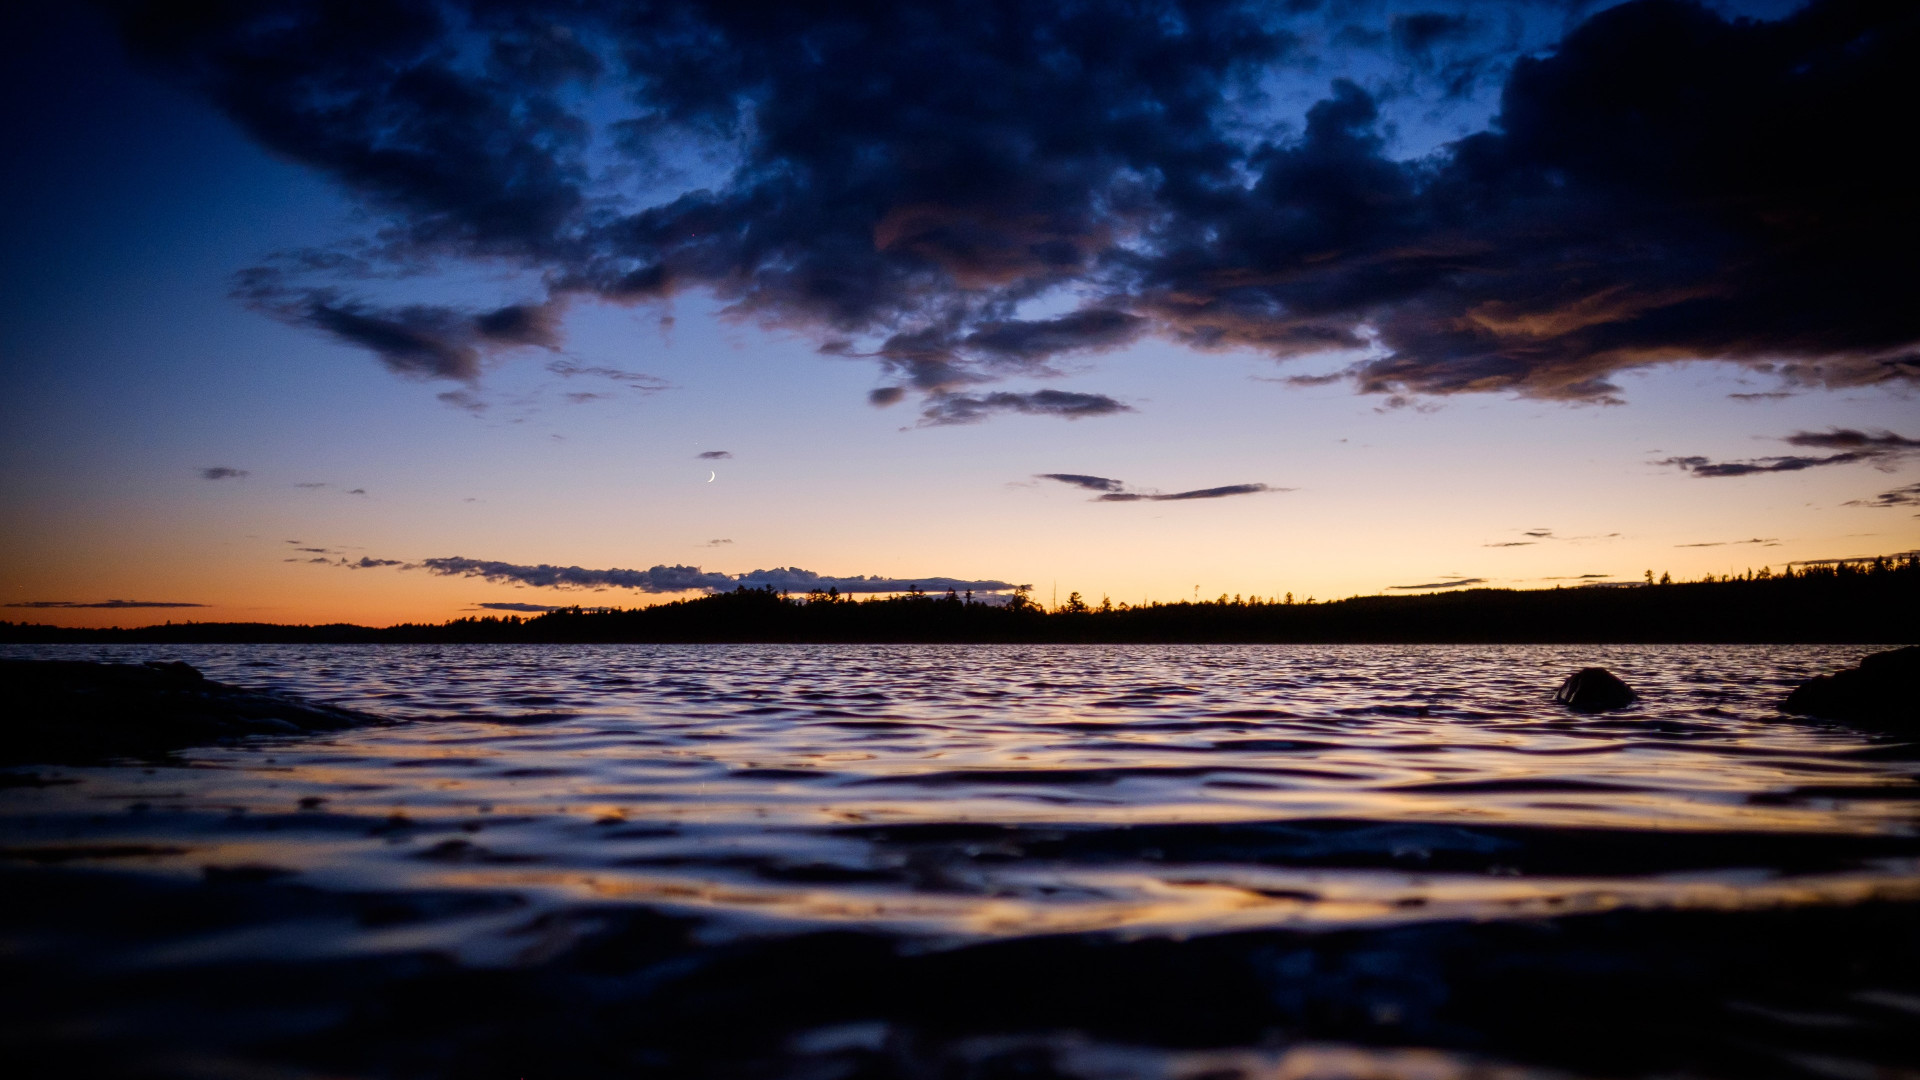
point(1098, 861)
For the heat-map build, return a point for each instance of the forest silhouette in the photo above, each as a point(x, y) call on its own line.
point(1867, 601)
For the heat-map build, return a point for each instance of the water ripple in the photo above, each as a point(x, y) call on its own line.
point(1015, 790)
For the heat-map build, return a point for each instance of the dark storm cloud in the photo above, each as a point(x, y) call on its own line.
point(714, 455)
point(1418, 33)
point(1017, 340)
point(99, 604)
point(899, 180)
point(222, 472)
point(1455, 583)
point(670, 579)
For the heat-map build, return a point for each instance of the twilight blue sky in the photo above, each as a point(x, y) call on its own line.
point(308, 318)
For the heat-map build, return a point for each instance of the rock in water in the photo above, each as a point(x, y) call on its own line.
point(1594, 689)
point(1884, 690)
point(77, 710)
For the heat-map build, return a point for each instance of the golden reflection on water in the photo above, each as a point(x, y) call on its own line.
point(1307, 1061)
point(1144, 902)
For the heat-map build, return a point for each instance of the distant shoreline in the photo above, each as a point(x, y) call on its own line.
point(1871, 602)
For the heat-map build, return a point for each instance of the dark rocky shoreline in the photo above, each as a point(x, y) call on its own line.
point(1882, 691)
point(77, 711)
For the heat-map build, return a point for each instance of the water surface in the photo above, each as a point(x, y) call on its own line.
point(941, 796)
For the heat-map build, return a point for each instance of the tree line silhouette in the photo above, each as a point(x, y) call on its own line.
point(1866, 601)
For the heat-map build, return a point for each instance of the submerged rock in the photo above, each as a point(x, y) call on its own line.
point(1594, 689)
point(78, 710)
point(1884, 689)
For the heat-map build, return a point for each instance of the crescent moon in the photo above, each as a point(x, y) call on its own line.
point(710, 475)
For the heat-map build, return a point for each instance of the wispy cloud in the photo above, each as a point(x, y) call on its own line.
point(1705, 467)
point(1454, 583)
point(714, 455)
point(101, 604)
point(1112, 490)
point(222, 472)
point(1222, 492)
point(421, 341)
point(1855, 559)
point(1082, 480)
point(949, 408)
point(1900, 496)
point(1853, 447)
point(1317, 380)
point(632, 380)
point(362, 563)
point(321, 485)
point(466, 400)
point(1763, 542)
point(498, 606)
point(1542, 536)
point(674, 579)
point(656, 579)
point(1538, 536)
point(1849, 439)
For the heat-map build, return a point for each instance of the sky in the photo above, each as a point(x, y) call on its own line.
point(415, 311)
